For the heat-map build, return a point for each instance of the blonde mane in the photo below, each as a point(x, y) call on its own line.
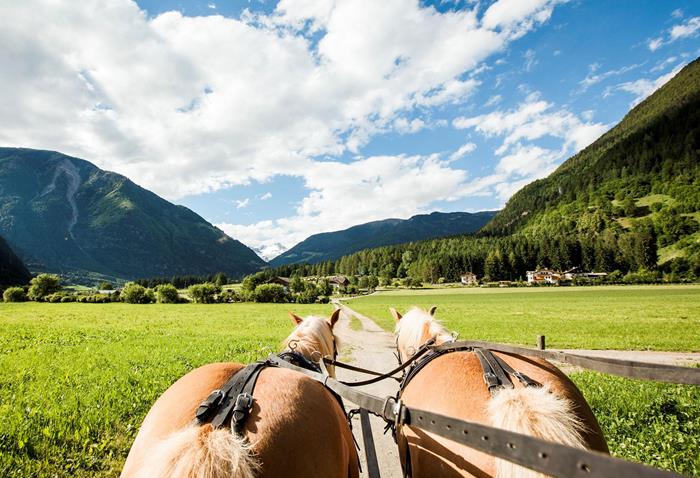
point(417, 327)
point(313, 334)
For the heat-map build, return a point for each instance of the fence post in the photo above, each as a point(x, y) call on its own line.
point(540, 342)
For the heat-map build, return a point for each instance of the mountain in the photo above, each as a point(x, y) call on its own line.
point(12, 270)
point(652, 151)
point(332, 245)
point(65, 215)
point(629, 202)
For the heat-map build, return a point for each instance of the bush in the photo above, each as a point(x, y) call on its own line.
point(44, 285)
point(204, 293)
point(104, 285)
point(270, 293)
point(308, 296)
point(323, 300)
point(68, 298)
point(135, 294)
point(14, 294)
point(167, 294)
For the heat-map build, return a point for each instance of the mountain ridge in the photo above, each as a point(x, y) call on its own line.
point(332, 245)
point(66, 215)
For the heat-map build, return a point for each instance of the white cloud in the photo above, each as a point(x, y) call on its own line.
point(242, 203)
point(688, 29)
point(520, 159)
point(530, 59)
point(677, 13)
point(218, 102)
point(643, 87)
point(376, 188)
point(594, 77)
point(462, 151)
point(266, 196)
point(532, 120)
point(211, 5)
point(493, 101)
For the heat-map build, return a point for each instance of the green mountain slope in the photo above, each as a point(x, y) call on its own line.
point(653, 150)
point(628, 202)
point(12, 270)
point(332, 245)
point(65, 215)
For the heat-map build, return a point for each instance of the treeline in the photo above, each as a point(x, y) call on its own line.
point(184, 281)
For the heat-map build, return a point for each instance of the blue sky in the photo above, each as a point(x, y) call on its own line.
point(279, 120)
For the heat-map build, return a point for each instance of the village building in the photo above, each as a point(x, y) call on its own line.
point(338, 282)
point(283, 281)
point(544, 276)
point(469, 279)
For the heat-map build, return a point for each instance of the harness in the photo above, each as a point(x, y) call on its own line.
point(495, 374)
point(234, 400)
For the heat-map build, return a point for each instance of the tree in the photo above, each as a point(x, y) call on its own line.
point(205, 293)
point(104, 285)
point(220, 279)
point(325, 287)
point(296, 285)
point(14, 294)
point(167, 294)
point(134, 293)
point(270, 293)
point(43, 285)
point(363, 283)
point(372, 282)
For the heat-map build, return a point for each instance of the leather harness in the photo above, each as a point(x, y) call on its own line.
point(234, 400)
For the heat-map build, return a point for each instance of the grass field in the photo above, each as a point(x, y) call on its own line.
point(614, 317)
point(658, 424)
point(76, 380)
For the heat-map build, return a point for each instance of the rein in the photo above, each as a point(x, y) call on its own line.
point(546, 457)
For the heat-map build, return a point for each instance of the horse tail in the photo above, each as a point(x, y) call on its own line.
point(201, 452)
point(538, 412)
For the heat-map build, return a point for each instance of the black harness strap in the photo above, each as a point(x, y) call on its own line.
point(234, 399)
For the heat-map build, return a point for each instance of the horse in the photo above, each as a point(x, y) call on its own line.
point(453, 384)
point(295, 428)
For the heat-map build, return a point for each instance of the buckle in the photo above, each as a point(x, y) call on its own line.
point(244, 402)
point(207, 407)
point(491, 380)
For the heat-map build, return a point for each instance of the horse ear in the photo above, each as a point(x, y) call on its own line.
point(432, 310)
point(395, 314)
point(334, 317)
point(295, 318)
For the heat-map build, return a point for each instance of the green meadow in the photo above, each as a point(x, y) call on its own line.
point(612, 317)
point(653, 423)
point(76, 380)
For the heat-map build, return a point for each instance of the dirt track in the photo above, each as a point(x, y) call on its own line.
point(370, 348)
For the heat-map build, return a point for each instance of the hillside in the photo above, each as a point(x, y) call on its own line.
point(332, 245)
point(65, 215)
point(12, 270)
point(628, 202)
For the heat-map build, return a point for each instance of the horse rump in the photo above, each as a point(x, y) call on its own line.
point(200, 452)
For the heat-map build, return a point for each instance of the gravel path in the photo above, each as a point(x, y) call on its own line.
point(373, 348)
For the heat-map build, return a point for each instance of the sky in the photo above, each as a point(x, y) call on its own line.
point(279, 120)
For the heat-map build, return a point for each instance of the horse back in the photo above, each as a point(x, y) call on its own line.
point(453, 385)
point(296, 427)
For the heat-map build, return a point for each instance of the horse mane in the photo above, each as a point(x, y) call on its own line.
point(312, 335)
point(417, 326)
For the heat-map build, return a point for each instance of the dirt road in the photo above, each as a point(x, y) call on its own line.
point(372, 348)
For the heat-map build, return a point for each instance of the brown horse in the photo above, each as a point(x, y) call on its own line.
point(453, 385)
point(296, 428)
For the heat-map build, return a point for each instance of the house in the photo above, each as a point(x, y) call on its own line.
point(283, 281)
point(544, 276)
point(469, 279)
point(339, 282)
